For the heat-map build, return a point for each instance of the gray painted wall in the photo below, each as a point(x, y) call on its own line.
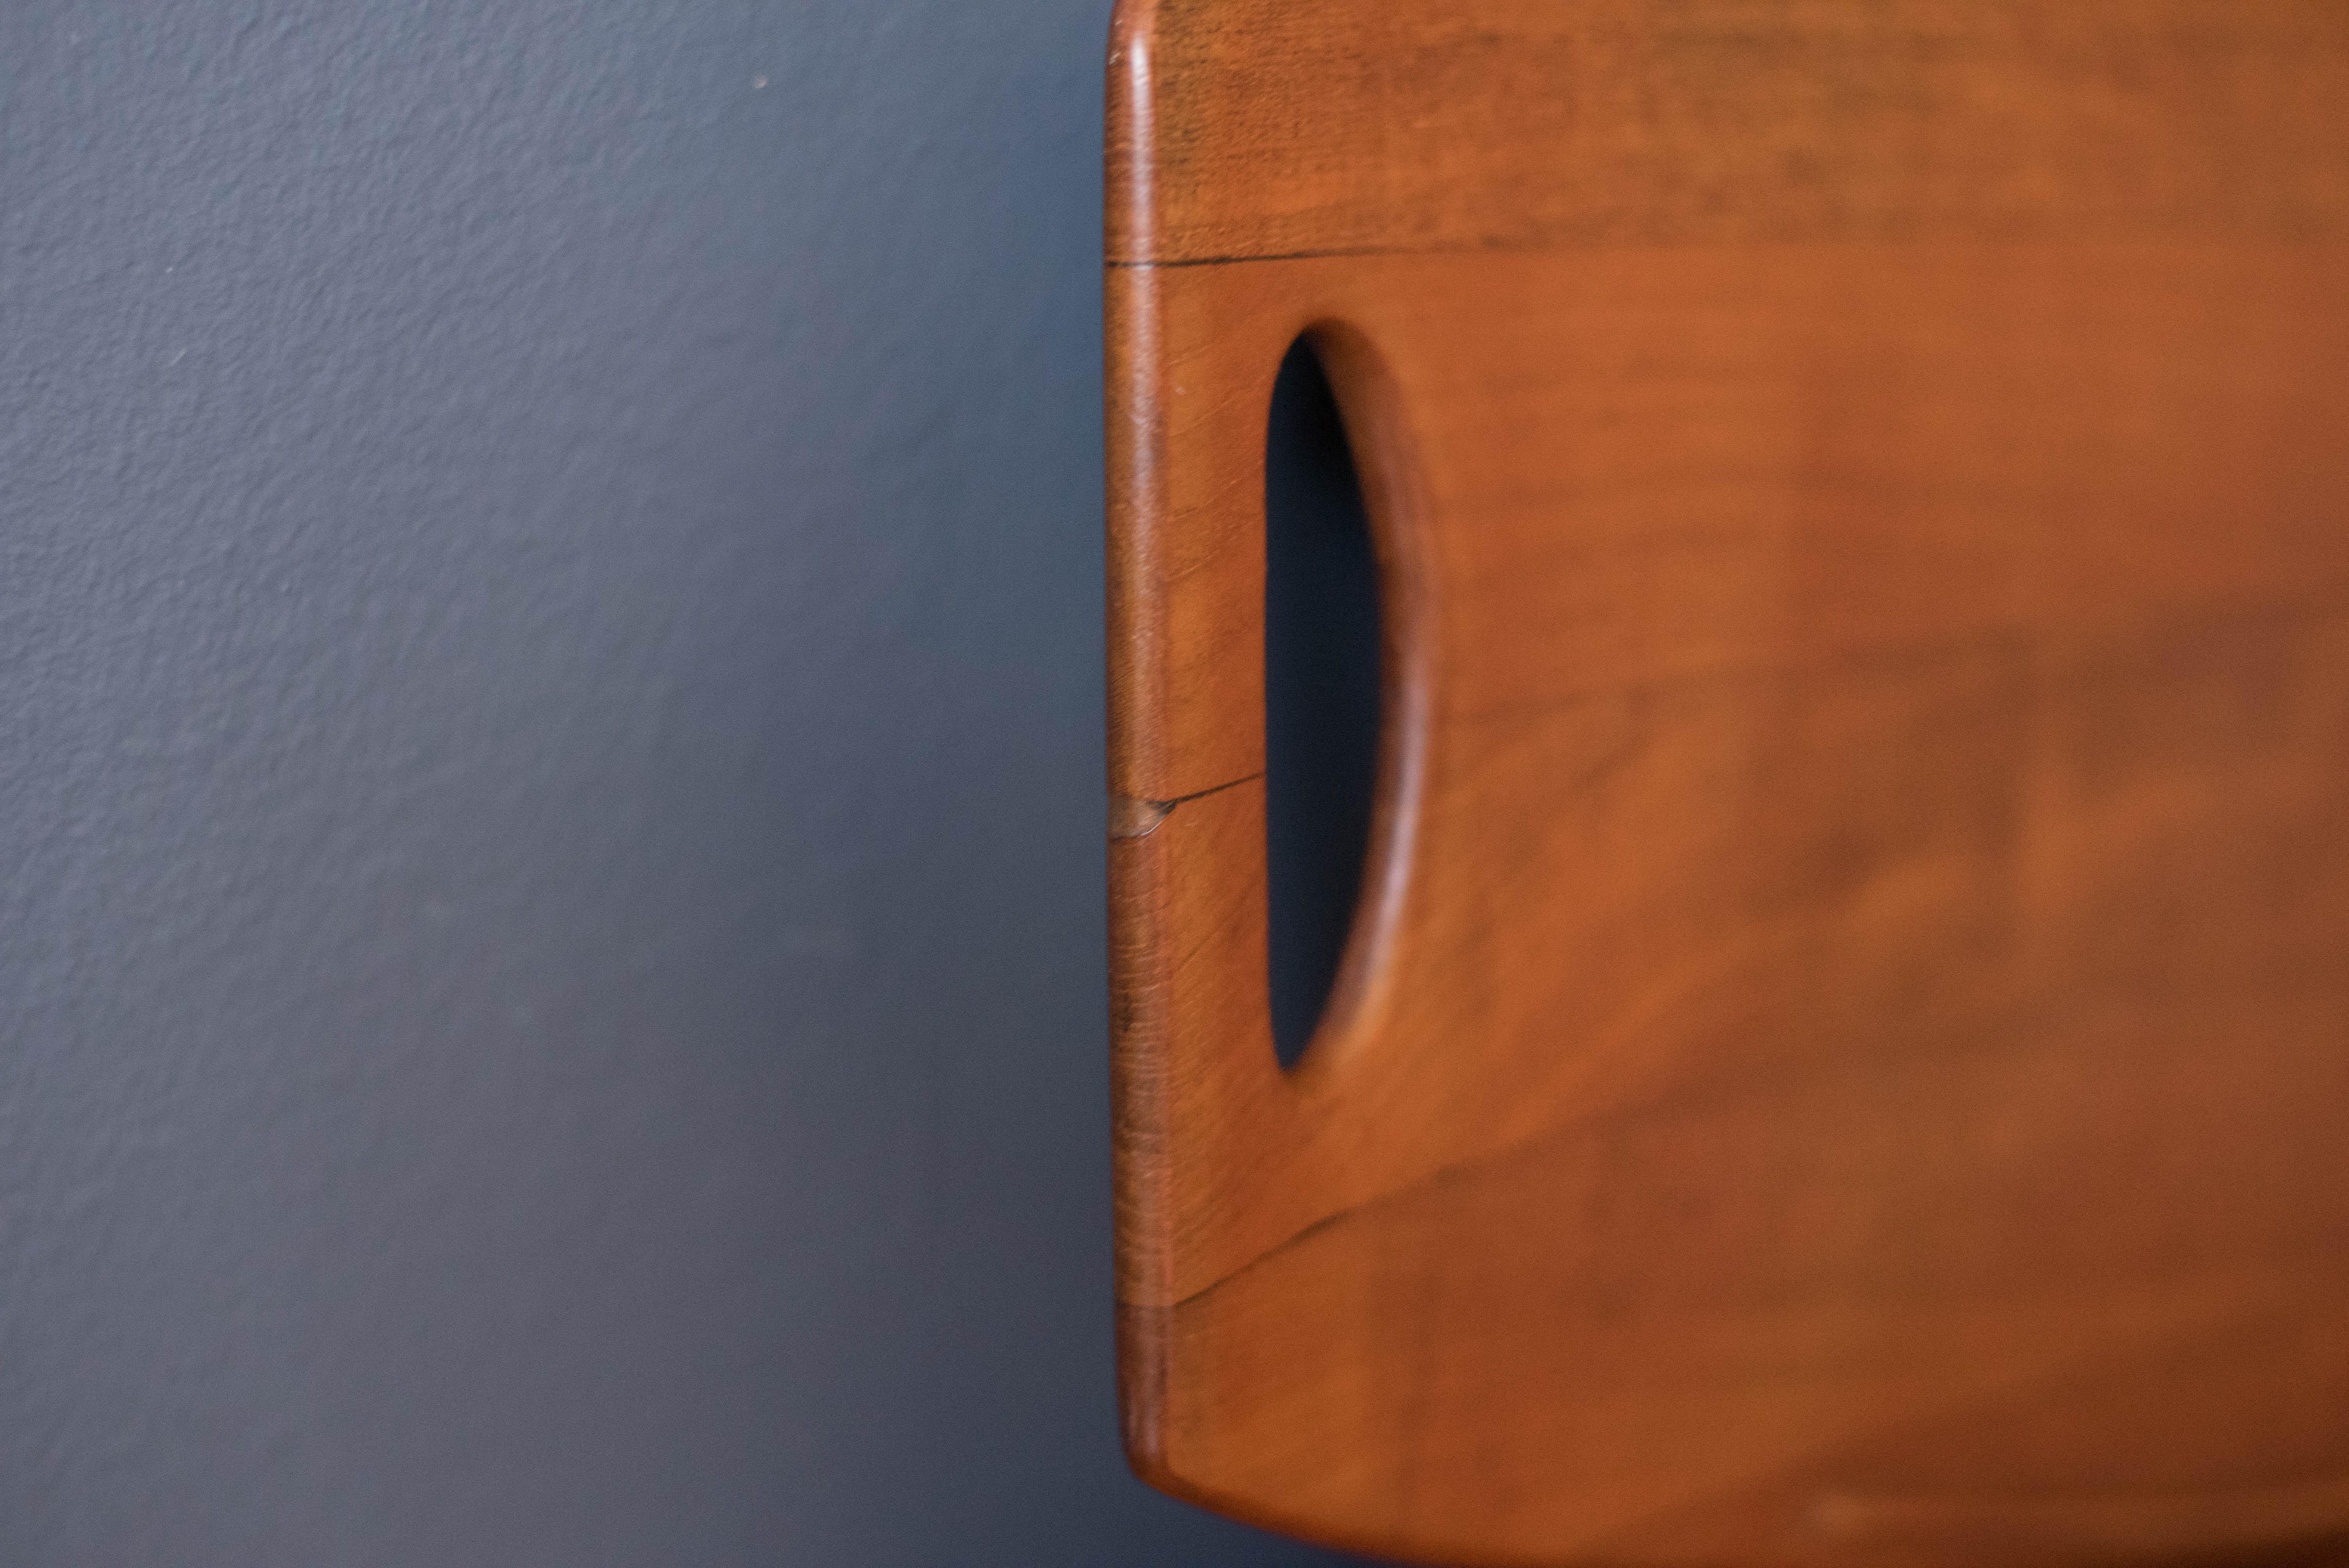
point(551, 993)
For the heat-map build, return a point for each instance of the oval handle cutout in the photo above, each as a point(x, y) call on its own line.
point(1322, 696)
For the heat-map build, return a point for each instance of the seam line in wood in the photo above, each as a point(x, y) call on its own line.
point(1571, 243)
point(1151, 264)
point(1442, 1175)
point(1131, 817)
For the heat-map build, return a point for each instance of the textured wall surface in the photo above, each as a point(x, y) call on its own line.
point(551, 997)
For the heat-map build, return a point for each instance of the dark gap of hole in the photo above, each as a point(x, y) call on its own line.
point(1320, 694)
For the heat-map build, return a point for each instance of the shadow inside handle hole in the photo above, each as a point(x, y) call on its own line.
point(1321, 638)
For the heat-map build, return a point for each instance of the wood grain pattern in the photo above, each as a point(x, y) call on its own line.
point(1844, 1051)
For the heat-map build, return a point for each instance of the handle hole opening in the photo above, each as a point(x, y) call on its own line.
point(1321, 694)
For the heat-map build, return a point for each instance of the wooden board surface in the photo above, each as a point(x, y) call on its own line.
point(1844, 1053)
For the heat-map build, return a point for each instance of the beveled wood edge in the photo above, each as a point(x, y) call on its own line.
point(1394, 495)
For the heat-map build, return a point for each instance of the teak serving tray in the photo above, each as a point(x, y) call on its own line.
point(1843, 1055)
